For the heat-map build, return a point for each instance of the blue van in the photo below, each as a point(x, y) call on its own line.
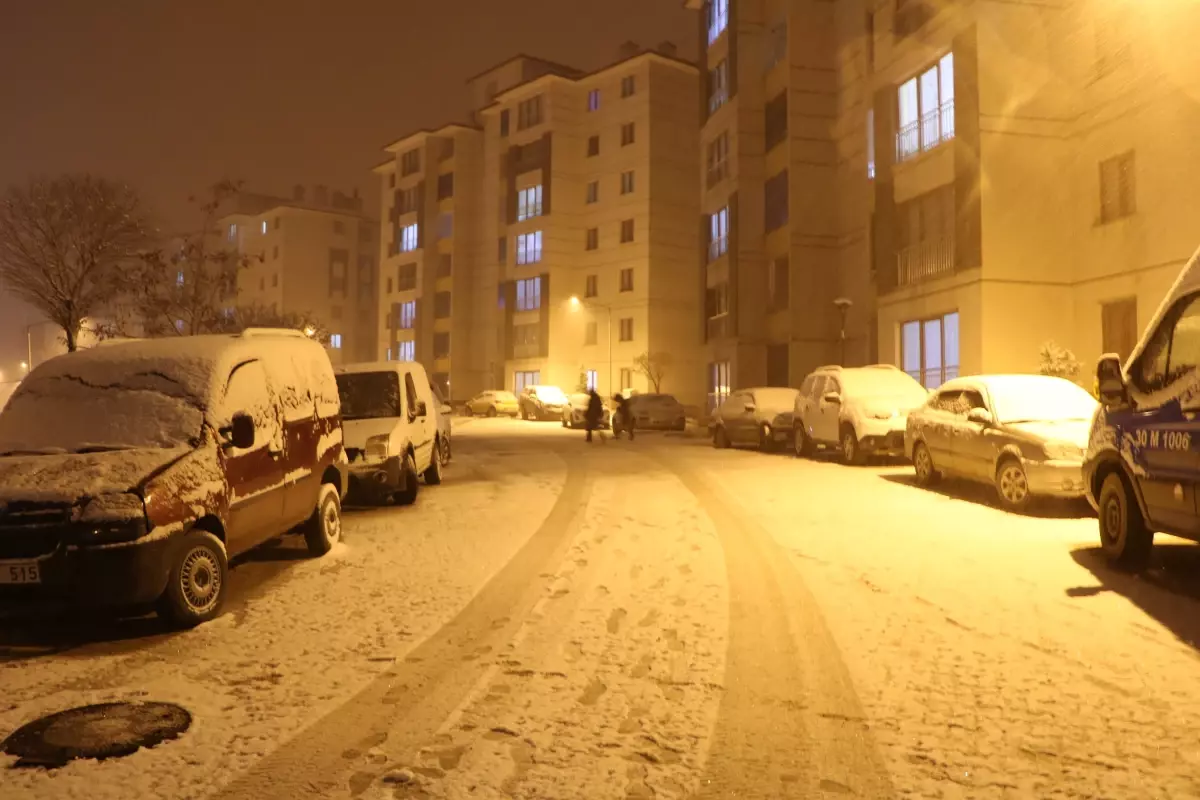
point(1142, 468)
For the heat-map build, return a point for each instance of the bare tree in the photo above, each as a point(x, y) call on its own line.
point(64, 243)
point(654, 366)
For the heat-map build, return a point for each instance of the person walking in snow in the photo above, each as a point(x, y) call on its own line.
point(594, 413)
point(624, 414)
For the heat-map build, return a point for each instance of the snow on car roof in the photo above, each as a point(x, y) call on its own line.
point(378, 366)
point(779, 397)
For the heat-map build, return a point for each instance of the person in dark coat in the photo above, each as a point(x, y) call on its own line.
point(594, 413)
point(626, 415)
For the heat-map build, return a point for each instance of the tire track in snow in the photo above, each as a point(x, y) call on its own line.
point(405, 706)
point(790, 723)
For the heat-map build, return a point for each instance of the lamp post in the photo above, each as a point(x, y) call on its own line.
point(843, 306)
point(577, 304)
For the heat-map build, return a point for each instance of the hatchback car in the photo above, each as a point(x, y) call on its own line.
point(542, 402)
point(575, 414)
point(494, 403)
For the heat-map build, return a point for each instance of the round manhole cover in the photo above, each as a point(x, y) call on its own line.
point(107, 730)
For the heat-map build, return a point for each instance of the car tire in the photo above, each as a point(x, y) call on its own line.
point(1012, 485)
point(324, 528)
point(433, 473)
point(927, 474)
point(491, 412)
point(524, 414)
point(1126, 540)
point(409, 495)
point(800, 442)
point(196, 582)
point(447, 451)
point(852, 453)
point(720, 438)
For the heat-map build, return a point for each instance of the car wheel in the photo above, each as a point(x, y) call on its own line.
point(196, 584)
point(491, 412)
point(433, 474)
point(446, 450)
point(927, 474)
point(1012, 485)
point(409, 495)
point(720, 438)
point(324, 528)
point(524, 414)
point(800, 442)
point(852, 454)
point(1123, 533)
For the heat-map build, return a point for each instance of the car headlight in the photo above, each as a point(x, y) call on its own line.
point(377, 447)
point(107, 518)
point(1063, 451)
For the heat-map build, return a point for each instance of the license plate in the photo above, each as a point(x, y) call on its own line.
point(20, 572)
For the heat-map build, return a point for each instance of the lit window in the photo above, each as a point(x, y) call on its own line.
point(870, 143)
point(232, 232)
point(529, 203)
point(594, 100)
point(529, 294)
point(264, 226)
point(179, 279)
point(593, 382)
point(335, 341)
point(925, 106)
point(406, 351)
point(718, 18)
point(627, 182)
point(718, 234)
point(529, 248)
point(388, 355)
point(408, 315)
point(929, 349)
point(408, 238)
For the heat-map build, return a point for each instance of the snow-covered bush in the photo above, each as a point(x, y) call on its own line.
point(1058, 361)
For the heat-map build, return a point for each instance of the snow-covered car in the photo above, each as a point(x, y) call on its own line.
point(862, 411)
point(657, 412)
point(575, 413)
point(6, 391)
point(389, 416)
point(445, 419)
point(494, 402)
point(760, 417)
point(131, 474)
point(542, 402)
point(1024, 434)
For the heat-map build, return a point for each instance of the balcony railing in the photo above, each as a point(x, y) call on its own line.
point(925, 261)
point(717, 248)
point(926, 133)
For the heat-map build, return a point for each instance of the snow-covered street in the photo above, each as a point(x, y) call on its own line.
point(654, 619)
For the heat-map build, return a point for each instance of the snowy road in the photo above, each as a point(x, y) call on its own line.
point(655, 619)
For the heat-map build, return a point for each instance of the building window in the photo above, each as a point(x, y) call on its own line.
point(504, 122)
point(179, 278)
point(775, 201)
point(407, 316)
point(718, 384)
point(593, 192)
point(718, 159)
point(406, 351)
point(718, 86)
point(590, 332)
point(1117, 185)
point(529, 113)
point(441, 345)
point(870, 144)
point(335, 341)
point(627, 134)
point(387, 354)
point(778, 284)
point(406, 277)
point(339, 227)
point(909, 16)
point(926, 110)
point(716, 300)
point(264, 227)
point(410, 163)
point(1118, 327)
point(529, 203)
point(627, 182)
point(628, 86)
point(775, 118)
point(591, 239)
point(626, 231)
point(626, 329)
point(525, 335)
point(441, 305)
point(593, 146)
point(275, 252)
point(529, 294)
point(232, 232)
point(718, 234)
point(529, 248)
point(502, 250)
point(718, 18)
point(591, 286)
point(594, 100)
point(445, 266)
point(279, 222)
point(445, 186)
point(445, 224)
point(627, 279)
point(929, 349)
point(407, 201)
point(626, 378)
point(592, 380)
point(409, 238)
point(925, 236)
point(525, 378)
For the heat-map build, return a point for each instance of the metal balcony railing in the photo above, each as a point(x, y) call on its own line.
point(925, 133)
point(924, 261)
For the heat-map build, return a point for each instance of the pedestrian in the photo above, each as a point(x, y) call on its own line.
point(624, 414)
point(594, 413)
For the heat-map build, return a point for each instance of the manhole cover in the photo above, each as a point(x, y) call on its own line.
point(106, 730)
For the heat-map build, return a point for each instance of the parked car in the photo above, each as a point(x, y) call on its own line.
point(542, 402)
point(574, 415)
point(759, 417)
point(660, 412)
point(130, 474)
point(1142, 469)
point(862, 411)
point(494, 402)
point(390, 423)
point(445, 419)
point(1024, 434)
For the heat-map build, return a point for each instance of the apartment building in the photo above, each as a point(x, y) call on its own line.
point(574, 225)
point(315, 254)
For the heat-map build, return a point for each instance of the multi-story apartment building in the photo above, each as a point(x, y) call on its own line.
point(312, 254)
point(575, 221)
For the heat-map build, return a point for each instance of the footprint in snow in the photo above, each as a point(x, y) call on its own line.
point(650, 618)
point(615, 619)
point(592, 693)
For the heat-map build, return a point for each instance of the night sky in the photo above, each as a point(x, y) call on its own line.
point(172, 95)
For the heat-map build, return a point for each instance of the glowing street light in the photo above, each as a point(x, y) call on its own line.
point(25, 366)
point(310, 331)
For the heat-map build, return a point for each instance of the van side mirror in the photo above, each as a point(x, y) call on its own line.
point(422, 409)
point(749, 406)
point(980, 415)
point(240, 432)
point(1110, 382)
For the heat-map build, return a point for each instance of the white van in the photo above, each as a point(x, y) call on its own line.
point(389, 420)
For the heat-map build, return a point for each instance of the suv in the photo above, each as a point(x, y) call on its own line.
point(542, 402)
point(859, 410)
point(130, 474)
point(390, 417)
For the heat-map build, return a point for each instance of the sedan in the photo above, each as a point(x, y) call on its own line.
point(575, 414)
point(657, 412)
point(759, 417)
point(1024, 434)
point(493, 403)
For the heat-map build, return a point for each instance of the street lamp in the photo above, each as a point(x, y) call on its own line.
point(310, 331)
point(25, 367)
point(577, 304)
point(843, 305)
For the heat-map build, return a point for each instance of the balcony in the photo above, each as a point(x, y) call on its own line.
point(718, 247)
point(925, 261)
point(926, 133)
point(717, 327)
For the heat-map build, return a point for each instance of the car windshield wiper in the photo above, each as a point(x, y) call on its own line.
point(101, 448)
point(46, 451)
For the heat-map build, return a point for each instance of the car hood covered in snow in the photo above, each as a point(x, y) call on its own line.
point(68, 477)
point(358, 431)
point(1073, 431)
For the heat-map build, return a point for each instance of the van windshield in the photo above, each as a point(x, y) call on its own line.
point(369, 395)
